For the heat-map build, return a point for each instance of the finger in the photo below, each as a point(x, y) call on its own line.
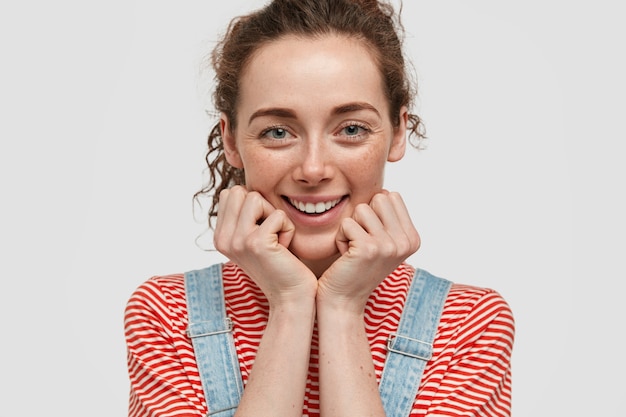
point(279, 225)
point(404, 220)
point(368, 219)
point(396, 233)
point(229, 206)
point(384, 206)
point(255, 210)
point(350, 231)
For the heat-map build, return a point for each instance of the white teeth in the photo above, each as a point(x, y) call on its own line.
point(314, 208)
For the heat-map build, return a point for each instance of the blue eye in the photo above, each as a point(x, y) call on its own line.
point(352, 130)
point(278, 133)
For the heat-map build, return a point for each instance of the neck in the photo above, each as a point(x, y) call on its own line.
point(319, 266)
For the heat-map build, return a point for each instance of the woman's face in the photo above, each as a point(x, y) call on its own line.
point(313, 134)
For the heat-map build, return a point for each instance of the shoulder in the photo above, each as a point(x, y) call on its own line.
point(159, 289)
point(160, 299)
point(466, 300)
point(471, 366)
point(472, 313)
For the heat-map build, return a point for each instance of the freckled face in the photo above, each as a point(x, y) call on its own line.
point(313, 134)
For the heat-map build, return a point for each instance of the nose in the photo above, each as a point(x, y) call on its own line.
point(315, 163)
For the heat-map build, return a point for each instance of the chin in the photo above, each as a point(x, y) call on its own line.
point(316, 253)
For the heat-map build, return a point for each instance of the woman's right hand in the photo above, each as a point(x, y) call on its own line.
point(255, 235)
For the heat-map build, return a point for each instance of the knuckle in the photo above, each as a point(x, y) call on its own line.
point(253, 196)
point(224, 193)
point(378, 198)
point(237, 246)
point(378, 201)
point(388, 249)
point(361, 210)
point(217, 243)
point(408, 246)
point(279, 213)
point(415, 240)
point(404, 247)
point(254, 245)
point(394, 195)
point(371, 250)
point(396, 200)
point(348, 223)
point(254, 199)
point(222, 244)
point(238, 191)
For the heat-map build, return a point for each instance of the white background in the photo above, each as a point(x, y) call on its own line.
point(521, 188)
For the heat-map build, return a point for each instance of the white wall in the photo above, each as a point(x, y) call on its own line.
point(521, 188)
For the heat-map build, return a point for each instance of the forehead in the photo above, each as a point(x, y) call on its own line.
point(325, 69)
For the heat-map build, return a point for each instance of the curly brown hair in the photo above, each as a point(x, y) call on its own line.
point(373, 22)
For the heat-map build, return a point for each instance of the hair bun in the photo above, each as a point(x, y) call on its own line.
point(376, 6)
point(368, 3)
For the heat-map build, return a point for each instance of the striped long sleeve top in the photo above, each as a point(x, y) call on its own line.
point(468, 375)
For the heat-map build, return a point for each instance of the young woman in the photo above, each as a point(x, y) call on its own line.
point(314, 101)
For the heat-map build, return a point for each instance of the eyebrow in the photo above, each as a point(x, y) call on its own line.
point(272, 111)
point(290, 114)
point(352, 107)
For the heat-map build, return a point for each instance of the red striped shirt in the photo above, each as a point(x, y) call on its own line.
point(469, 374)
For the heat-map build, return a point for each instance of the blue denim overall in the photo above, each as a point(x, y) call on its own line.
point(408, 350)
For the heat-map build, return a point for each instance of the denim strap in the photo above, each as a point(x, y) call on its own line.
point(411, 347)
point(210, 331)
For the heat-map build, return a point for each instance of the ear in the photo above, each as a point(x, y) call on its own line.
point(230, 144)
point(398, 140)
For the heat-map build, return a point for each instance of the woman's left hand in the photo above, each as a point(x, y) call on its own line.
point(372, 243)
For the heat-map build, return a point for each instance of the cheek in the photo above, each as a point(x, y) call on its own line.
point(262, 170)
point(368, 168)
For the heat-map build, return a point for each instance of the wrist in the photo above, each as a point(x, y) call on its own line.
point(345, 313)
point(340, 304)
point(296, 296)
point(285, 308)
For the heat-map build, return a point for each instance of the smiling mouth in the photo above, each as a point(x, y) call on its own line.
point(314, 208)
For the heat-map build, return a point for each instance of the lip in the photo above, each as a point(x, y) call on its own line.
point(318, 219)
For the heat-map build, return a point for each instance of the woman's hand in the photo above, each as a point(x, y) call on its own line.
point(372, 243)
point(255, 235)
